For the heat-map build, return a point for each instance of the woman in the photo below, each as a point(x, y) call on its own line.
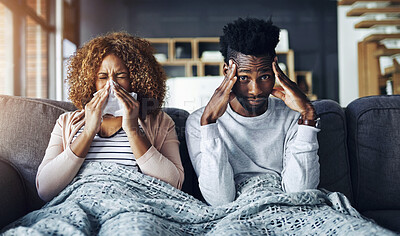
point(143, 137)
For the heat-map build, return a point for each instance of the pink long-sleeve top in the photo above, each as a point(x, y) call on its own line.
point(60, 165)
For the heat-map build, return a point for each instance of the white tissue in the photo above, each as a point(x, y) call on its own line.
point(112, 105)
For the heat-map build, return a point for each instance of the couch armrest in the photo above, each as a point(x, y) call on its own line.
point(12, 194)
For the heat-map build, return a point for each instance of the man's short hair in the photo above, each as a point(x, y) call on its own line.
point(249, 36)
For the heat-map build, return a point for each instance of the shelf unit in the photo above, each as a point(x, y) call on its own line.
point(372, 81)
point(183, 57)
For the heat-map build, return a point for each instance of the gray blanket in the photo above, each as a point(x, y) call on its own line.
point(111, 199)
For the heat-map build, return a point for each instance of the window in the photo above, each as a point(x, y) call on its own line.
point(6, 54)
point(31, 46)
point(36, 57)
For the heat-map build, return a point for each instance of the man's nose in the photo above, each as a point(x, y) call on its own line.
point(254, 88)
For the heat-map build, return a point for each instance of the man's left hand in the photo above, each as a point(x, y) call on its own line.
point(291, 94)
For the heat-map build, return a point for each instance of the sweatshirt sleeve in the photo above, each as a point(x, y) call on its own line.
point(59, 166)
point(301, 168)
point(164, 164)
point(210, 161)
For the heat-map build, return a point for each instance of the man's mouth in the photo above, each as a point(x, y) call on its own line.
point(256, 101)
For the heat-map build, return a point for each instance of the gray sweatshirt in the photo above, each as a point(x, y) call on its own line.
point(236, 148)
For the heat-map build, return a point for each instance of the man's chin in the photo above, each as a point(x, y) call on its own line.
point(255, 108)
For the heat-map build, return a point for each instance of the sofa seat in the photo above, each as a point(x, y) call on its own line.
point(386, 218)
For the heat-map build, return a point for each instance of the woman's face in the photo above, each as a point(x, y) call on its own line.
point(113, 68)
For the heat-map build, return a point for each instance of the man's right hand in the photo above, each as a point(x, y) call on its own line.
point(218, 103)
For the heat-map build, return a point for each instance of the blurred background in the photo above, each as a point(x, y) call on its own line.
point(338, 50)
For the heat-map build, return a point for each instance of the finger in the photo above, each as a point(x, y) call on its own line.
point(123, 93)
point(278, 93)
point(231, 79)
point(231, 83)
point(280, 76)
point(126, 99)
point(227, 76)
point(103, 98)
point(99, 96)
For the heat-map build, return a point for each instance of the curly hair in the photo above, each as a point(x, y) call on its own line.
point(249, 36)
point(147, 75)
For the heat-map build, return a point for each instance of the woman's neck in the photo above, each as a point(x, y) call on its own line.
point(110, 126)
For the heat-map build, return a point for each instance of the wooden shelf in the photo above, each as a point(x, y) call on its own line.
point(362, 11)
point(379, 37)
point(191, 64)
point(381, 52)
point(350, 2)
point(370, 23)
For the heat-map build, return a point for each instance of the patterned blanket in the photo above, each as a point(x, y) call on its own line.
point(111, 199)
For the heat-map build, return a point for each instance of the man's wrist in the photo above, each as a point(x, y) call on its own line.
point(309, 113)
point(206, 121)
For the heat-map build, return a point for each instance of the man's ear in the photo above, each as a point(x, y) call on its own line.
point(225, 69)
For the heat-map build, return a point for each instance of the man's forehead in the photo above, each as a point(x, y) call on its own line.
point(250, 61)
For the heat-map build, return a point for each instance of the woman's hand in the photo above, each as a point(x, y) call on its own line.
point(93, 111)
point(218, 103)
point(131, 109)
point(291, 94)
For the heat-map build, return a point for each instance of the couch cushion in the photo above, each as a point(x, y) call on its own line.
point(25, 128)
point(332, 139)
point(12, 197)
point(190, 184)
point(374, 151)
point(389, 219)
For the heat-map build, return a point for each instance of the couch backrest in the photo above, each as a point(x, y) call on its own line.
point(374, 151)
point(25, 128)
point(333, 156)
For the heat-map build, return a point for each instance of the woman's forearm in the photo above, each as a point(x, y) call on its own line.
point(58, 169)
point(138, 141)
point(81, 145)
point(53, 176)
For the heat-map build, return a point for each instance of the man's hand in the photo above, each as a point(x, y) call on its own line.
point(218, 103)
point(291, 94)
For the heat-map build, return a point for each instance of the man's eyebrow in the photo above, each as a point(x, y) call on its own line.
point(267, 69)
point(244, 70)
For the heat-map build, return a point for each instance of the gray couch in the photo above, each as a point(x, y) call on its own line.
point(359, 153)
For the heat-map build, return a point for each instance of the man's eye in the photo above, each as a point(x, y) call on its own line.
point(265, 77)
point(242, 78)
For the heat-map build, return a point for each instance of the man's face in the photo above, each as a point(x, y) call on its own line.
point(255, 81)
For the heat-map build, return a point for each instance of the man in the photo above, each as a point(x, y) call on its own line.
point(243, 131)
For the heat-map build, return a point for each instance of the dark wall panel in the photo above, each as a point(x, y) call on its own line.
point(312, 26)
